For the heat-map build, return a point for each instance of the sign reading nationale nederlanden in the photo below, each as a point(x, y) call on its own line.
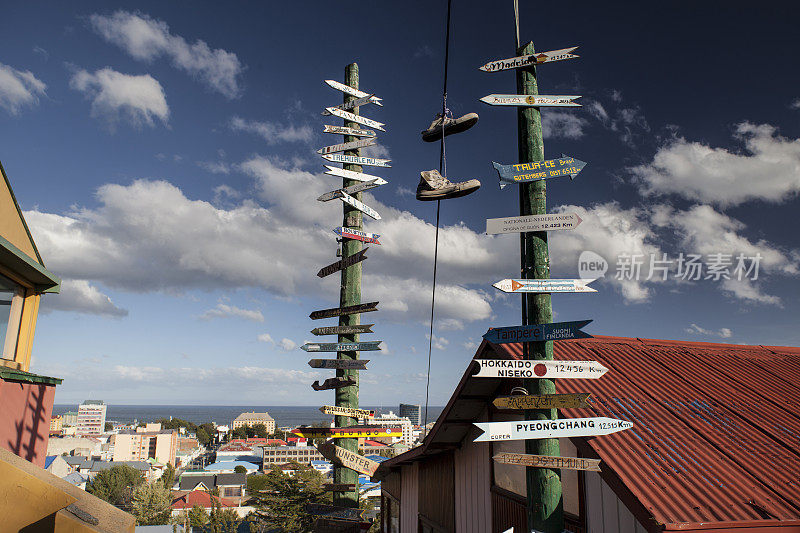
point(521, 224)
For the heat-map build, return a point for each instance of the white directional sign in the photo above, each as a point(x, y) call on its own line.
point(355, 160)
point(559, 100)
point(347, 364)
point(544, 285)
point(352, 175)
point(528, 60)
point(346, 89)
point(550, 429)
point(353, 145)
point(352, 103)
point(364, 208)
point(342, 130)
point(358, 118)
point(544, 368)
point(521, 224)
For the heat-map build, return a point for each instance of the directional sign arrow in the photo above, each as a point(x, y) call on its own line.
point(349, 432)
point(544, 285)
point(344, 130)
point(347, 411)
point(343, 330)
point(348, 310)
point(346, 458)
point(358, 204)
point(541, 368)
point(346, 262)
point(544, 401)
point(550, 429)
point(350, 174)
point(559, 100)
point(538, 332)
point(333, 383)
point(548, 461)
point(521, 224)
point(345, 364)
point(366, 346)
point(357, 234)
point(346, 89)
point(357, 160)
point(353, 145)
point(358, 118)
point(353, 103)
point(338, 487)
point(538, 170)
point(528, 60)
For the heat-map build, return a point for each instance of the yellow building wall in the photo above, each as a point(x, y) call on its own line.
point(11, 226)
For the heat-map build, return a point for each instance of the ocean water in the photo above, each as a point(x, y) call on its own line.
point(284, 415)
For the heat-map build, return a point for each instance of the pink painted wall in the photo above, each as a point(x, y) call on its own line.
point(25, 410)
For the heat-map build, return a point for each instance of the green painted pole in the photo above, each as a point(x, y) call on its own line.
point(350, 295)
point(545, 507)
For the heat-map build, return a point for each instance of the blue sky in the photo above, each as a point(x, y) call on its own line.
point(165, 160)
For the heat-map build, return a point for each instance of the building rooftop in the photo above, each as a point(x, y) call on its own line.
point(253, 415)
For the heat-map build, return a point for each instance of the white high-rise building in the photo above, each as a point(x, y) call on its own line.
point(391, 419)
point(91, 418)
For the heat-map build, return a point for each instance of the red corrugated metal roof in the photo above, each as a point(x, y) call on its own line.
point(717, 426)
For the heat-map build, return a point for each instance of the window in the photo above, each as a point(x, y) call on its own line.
point(12, 297)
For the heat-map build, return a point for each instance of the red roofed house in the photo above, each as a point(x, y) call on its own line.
point(715, 446)
point(184, 501)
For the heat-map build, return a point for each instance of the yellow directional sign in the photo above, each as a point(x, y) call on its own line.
point(349, 432)
point(347, 411)
point(548, 461)
point(546, 401)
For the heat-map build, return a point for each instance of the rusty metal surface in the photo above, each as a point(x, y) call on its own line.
point(717, 427)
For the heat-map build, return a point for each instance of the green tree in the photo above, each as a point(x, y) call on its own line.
point(150, 504)
point(116, 485)
point(260, 430)
point(168, 477)
point(239, 469)
point(239, 433)
point(109, 426)
point(283, 498)
point(203, 437)
point(198, 517)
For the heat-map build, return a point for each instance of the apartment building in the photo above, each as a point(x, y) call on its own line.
point(283, 454)
point(56, 424)
point(412, 412)
point(252, 418)
point(392, 420)
point(149, 442)
point(91, 417)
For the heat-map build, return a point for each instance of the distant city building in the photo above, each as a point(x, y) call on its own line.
point(392, 420)
point(56, 424)
point(70, 419)
point(412, 412)
point(283, 454)
point(149, 442)
point(253, 418)
point(91, 417)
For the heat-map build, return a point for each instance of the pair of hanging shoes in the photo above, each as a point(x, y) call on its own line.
point(432, 185)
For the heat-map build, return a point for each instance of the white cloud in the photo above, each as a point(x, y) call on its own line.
point(439, 343)
point(229, 311)
point(146, 39)
point(271, 132)
point(114, 95)
point(287, 345)
point(80, 296)
point(768, 170)
point(627, 122)
point(795, 104)
point(725, 333)
point(215, 167)
point(18, 89)
point(266, 337)
point(563, 124)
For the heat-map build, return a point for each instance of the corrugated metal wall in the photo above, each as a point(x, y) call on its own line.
point(409, 508)
point(605, 513)
point(473, 505)
point(436, 491)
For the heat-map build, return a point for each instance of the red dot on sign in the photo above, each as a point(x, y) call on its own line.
point(540, 370)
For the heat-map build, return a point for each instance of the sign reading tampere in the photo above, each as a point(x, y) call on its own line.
point(539, 368)
point(555, 331)
point(528, 60)
point(550, 429)
point(544, 285)
point(521, 224)
point(538, 170)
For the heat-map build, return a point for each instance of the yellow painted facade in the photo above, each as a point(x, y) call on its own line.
point(12, 228)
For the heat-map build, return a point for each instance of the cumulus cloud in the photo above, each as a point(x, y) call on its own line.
point(19, 89)
point(287, 345)
point(215, 167)
point(627, 122)
point(725, 333)
point(271, 132)
point(147, 39)
point(438, 343)
point(563, 124)
point(223, 310)
point(79, 296)
point(768, 169)
point(114, 96)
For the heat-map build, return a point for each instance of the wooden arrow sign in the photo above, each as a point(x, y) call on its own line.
point(554, 331)
point(343, 364)
point(353, 145)
point(346, 89)
point(550, 429)
point(352, 104)
point(548, 461)
point(544, 285)
point(348, 459)
point(348, 432)
point(344, 130)
point(357, 234)
point(356, 160)
point(358, 118)
point(347, 411)
point(348, 261)
point(358, 204)
point(521, 224)
point(526, 100)
point(332, 511)
point(366, 346)
point(545, 401)
point(343, 330)
point(352, 175)
point(333, 383)
point(538, 170)
point(339, 487)
point(348, 310)
point(528, 60)
point(541, 368)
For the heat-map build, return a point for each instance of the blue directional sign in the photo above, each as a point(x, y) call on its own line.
point(538, 170)
point(538, 332)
